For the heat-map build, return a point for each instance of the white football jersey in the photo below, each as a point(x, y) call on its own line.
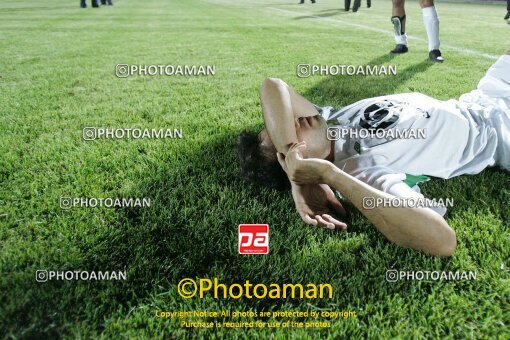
point(445, 139)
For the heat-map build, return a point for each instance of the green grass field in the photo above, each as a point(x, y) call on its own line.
point(57, 75)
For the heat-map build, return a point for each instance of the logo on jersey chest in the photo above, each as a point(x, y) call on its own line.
point(381, 115)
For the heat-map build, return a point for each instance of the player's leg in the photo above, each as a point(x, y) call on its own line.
point(399, 24)
point(95, 3)
point(369, 3)
point(356, 5)
point(507, 16)
point(347, 4)
point(83, 4)
point(431, 21)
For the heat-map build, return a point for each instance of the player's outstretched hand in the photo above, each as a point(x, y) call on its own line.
point(317, 205)
point(300, 170)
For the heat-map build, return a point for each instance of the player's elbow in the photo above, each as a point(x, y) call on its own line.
point(269, 81)
point(270, 85)
point(448, 243)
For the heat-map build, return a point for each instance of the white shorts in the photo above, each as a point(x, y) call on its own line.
point(493, 93)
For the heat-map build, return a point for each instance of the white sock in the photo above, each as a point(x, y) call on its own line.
point(431, 22)
point(401, 39)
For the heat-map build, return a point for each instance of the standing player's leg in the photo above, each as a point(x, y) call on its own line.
point(356, 5)
point(431, 21)
point(369, 3)
point(347, 5)
point(83, 4)
point(398, 19)
point(507, 16)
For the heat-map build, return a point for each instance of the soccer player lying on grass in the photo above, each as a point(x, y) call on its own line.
point(463, 136)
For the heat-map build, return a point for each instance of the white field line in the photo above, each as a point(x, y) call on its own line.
point(388, 32)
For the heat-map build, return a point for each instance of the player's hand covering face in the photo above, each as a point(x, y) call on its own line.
point(300, 170)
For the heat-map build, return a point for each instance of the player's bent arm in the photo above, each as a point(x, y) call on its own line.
point(417, 228)
point(301, 106)
point(281, 105)
point(391, 182)
point(402, 190)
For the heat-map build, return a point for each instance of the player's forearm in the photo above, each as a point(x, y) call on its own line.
point(417, 228)
point(402, 190)
point(278, 114)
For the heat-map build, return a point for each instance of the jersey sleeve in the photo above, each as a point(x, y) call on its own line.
point(326, 111)
point(386, 180)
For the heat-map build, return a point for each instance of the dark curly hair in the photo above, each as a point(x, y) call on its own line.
point(258, 163)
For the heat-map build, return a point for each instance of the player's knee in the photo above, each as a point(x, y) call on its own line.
point(398, 3)
point(426, 3)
